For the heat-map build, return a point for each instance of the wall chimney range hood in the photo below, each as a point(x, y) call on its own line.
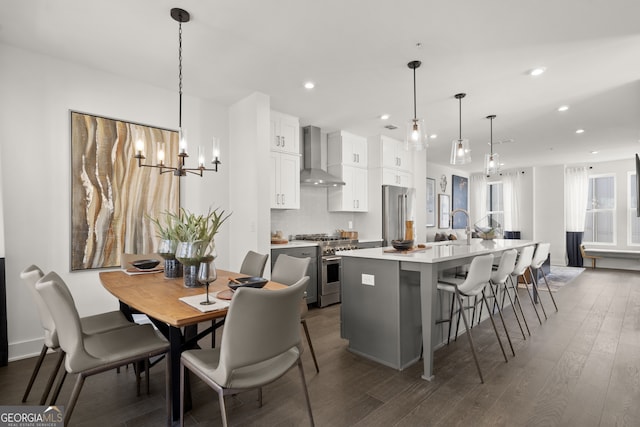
point(313, 174)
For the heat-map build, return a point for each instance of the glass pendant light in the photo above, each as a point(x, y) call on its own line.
point(460, 150)
point(416, 133)
point(491, 160)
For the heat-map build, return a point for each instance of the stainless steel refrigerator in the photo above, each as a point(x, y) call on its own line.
point(398, 206)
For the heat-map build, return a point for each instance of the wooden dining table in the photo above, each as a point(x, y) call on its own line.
point(159, 298)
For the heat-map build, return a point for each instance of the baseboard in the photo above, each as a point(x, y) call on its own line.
point(25, 349)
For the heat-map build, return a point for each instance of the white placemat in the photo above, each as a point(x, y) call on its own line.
point(195, 300)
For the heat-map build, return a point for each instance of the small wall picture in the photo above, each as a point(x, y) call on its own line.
point(460, 194)
point(431, 202)
point(444, 211)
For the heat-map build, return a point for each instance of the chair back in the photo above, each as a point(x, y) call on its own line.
point(478, 275)
point(58, 299)
point(507, 263)
point(253, 264)
point(541, 255)
point(289, 270)
point(260, 325)
point(524, 261)
point(30, 277)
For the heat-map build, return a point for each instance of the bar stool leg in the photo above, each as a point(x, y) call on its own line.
point(534, 283)
point(468, 334)
point(504, 325)
point(526, 284)
point(513, 306)
point(544, 276)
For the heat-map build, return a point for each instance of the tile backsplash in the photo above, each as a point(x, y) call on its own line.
point(312, 217)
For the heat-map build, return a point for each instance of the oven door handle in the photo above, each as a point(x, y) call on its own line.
point(331, 259)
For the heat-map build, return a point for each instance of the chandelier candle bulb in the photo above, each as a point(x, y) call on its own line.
point(200, 157)
point(139, 147)
point(182, 134)
point(160, 153)
point(216, 150)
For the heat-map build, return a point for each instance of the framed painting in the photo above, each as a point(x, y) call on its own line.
point(460, 195)
point(112, 199)
point(444, 211)
point(431, 202)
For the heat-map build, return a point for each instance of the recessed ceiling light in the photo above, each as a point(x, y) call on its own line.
point(433, 136)
point(580, 131)
point(384, 117)
point(563, 108)
point(537, 71)
point(594, 152)
point(309, 85)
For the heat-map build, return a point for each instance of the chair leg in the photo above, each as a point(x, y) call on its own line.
point(167, 389)
point(56, 392)
point(504, 325)
point(34, 374)
point(260, 397)
point(468, 334)
point(544, 276)
point(453, 302)
point(52, 377)
point(313, 353)
point(517, 298)
point(306, 392)
point(513, 306)
point(182, 368)
point(146, 373)
point(534, 283)
point(526, 285)
point(223, 411)
point(73, 399)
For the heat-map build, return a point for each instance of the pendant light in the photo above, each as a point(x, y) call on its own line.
point(460, 150)
point(491, 160)
point(180, 16)
point(416, 133)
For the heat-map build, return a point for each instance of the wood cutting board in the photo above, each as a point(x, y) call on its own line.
point(408, 251)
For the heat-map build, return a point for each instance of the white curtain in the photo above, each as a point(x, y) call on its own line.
point(512, 187)
point(477, 198)
point(576, 194)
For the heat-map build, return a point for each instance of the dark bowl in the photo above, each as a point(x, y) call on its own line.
point(145, 264)
point(248, 282)
point(402, 245)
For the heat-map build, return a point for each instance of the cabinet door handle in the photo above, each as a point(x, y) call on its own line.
point(354, 157)
point(358, 157)
point(283, 199)
point(283, 141)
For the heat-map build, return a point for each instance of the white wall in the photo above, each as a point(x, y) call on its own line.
point(436, 172)
point(548, 210)
point(36, 94)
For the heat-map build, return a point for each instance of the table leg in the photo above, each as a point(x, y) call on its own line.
point(175, 349)
point(428, 301)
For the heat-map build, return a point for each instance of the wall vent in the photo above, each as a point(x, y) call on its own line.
point(391, 127)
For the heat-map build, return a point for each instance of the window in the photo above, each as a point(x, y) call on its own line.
point(600, 224)
point(633, 237)
point(495, 203)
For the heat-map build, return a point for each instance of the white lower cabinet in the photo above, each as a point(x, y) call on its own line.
point(353, 196)
point(285, 181)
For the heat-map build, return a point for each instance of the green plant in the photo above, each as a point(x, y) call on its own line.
point(190, 227)
point(167, 231)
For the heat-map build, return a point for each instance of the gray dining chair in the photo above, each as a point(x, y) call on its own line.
point(90, 325)
point(288, 270)
point(87, 355)
point(253, 264)
point(260, 343)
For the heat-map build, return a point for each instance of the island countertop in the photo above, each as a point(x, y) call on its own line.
point(439, 251)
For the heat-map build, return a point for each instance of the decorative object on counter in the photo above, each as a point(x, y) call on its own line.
point(491, 160)
point(347, 234)
point(277, 239)
point(460, 150)
point(409, 230)
point(180, 15)
point(444, 211)
point(145, 264)
point(402, 245)
point(488, 228)
point(112, 208)
point(416, 132)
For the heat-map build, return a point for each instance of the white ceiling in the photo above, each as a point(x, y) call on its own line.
point(357, 52)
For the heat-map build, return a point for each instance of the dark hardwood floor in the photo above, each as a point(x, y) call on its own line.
point(581, 367)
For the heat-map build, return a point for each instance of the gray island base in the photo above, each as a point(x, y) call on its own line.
point(390, 300)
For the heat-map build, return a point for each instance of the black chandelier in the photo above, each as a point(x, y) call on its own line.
point(180, 15)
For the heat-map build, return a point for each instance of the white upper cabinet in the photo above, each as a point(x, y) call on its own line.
point(285, 181)
point(388, 157)
point(285, 133)
point(347, 149)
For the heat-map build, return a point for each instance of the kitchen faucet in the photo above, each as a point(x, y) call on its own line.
point(468, 228)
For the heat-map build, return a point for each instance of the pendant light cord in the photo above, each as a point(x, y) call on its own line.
point(180, 74)
point(415, 113)
point(460, 118)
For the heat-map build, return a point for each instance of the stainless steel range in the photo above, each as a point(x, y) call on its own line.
point(329, 265)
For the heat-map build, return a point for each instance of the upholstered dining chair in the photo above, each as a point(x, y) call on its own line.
point(260, 343)
point(90, 325)
point(288, 270)
point(253, 264)
point(473, 286)
point(87, 355)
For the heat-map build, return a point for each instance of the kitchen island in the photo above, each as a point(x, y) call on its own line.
point(390, 299)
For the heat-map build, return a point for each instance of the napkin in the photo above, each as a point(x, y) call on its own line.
point(195, 300)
